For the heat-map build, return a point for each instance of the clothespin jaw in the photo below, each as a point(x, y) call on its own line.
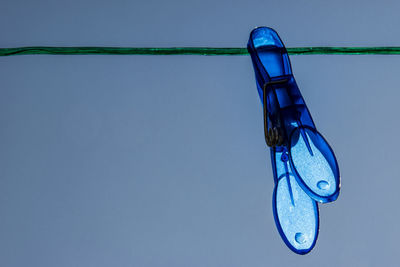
point(304, 165)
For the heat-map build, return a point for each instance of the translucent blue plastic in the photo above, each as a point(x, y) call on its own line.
point(295, 213)
point(305, 167)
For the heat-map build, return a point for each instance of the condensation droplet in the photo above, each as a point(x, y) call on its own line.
point(324, 185)
point(300, 238)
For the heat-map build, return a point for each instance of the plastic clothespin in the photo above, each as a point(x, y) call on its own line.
point(304, 166)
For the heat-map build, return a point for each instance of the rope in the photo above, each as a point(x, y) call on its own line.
point(205, 51)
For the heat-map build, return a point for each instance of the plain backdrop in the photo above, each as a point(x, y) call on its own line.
point(161, 161)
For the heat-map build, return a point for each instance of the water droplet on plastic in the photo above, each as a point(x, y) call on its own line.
point(284, 157)
point(300, 238)
point(324, 185)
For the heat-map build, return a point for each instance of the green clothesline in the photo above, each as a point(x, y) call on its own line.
point(206, 51)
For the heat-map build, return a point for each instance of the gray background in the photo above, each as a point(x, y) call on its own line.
point(160, 160)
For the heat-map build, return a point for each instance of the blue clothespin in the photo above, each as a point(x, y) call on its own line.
point(304, 165)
